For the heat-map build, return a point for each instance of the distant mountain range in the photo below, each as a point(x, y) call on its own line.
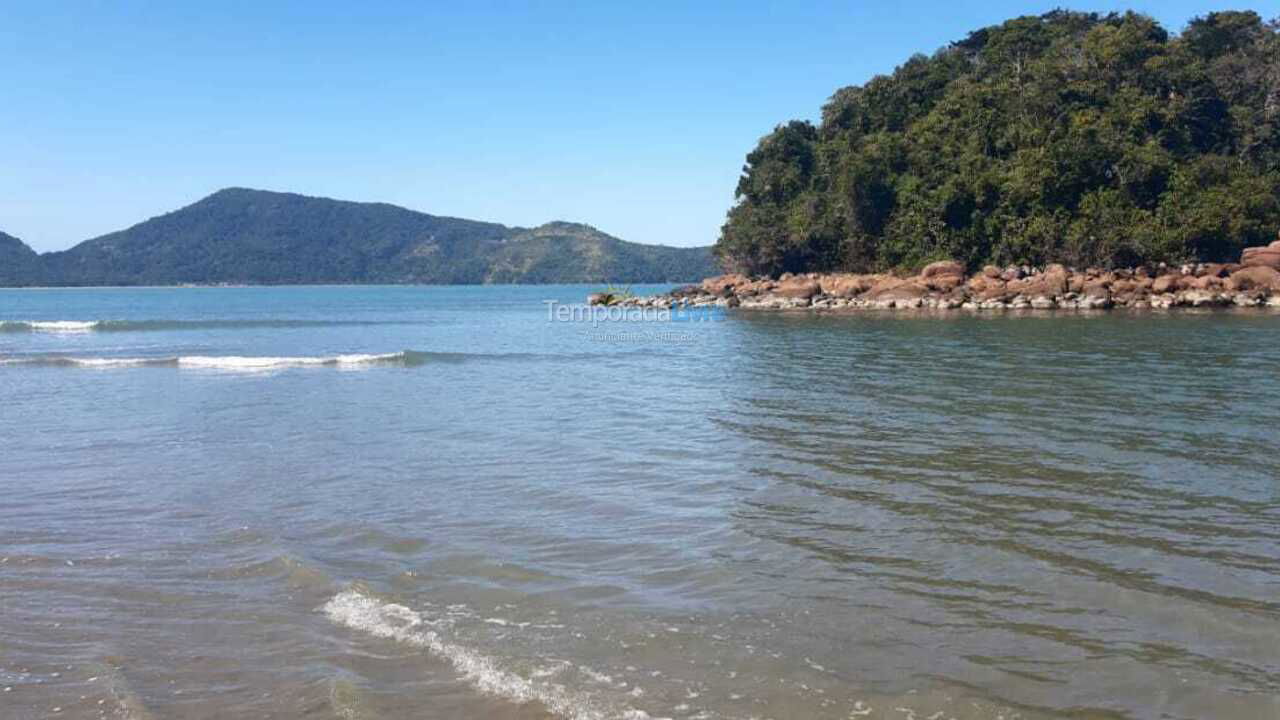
point(247, 236)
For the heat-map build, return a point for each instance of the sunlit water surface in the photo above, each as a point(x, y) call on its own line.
point(436, 503)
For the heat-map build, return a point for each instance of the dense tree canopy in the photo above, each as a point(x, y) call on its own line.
point(1069, 137)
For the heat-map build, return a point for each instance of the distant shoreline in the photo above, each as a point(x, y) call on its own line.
point(215, 286)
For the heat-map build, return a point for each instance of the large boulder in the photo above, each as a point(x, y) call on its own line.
point(943, 283)
point(892, 288)
point(846, 285)
point(723, 285)
point(1268, 256)
point(1097, 288)
point(1056, 280)
point(797, 287)
point(942, 276)
point(942, 267)
point(1254, 278)
point(754, 287)
point(1052, 282)
point(986, 287)
point(1207, 282)
point(1165, 283)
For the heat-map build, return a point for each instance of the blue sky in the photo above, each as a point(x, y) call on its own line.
point(633, 117)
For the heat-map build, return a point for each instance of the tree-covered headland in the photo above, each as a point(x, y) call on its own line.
point(1085, 139)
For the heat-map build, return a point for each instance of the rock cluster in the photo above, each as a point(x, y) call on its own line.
point(1253, 282)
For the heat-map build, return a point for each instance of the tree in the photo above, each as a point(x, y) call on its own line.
point(1067, 137)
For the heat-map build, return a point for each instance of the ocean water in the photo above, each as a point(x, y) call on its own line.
point(444, 502)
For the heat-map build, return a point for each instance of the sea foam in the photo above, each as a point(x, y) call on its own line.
point(234, 362)
point(63, 326)
point(381, 619)
point(219, 362)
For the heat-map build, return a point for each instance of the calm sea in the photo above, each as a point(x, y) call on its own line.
point(411, 502)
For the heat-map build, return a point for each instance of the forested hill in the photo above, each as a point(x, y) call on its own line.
point(253, 236)
point(1075, 138)
point(18, 263)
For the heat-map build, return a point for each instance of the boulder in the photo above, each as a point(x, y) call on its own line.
point(797, 287)
point(1056, 280)
point(846, 285)
point(753, 288)
point(1202, 298)
point(1049, 283)
point(985, 287)
point(723, 285)
point(892, 288)
point(991, 271)
point(1262, 256)
point(942, 267)
point(1097, 289)
point(1165, 284)
point(944, 283)
point(1254, 278)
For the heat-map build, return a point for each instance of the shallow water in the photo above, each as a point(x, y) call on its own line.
point(437, 503)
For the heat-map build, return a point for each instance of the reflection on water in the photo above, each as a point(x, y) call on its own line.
point(782, 516)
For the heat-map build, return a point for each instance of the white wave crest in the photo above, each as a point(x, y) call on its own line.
point(65, 326)
point(113, 362)
point(233, 362)
point(397, 622)
point(210, 362)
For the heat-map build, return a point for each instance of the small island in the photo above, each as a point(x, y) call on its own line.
point(1070, 160)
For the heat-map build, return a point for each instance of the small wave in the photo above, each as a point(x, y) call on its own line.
point(19, 326)
point(358, 611)
point(234, 362)
point(59, 326)
point(224, 362)
point(104, 362)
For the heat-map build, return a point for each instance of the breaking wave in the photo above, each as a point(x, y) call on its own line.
point(406, 358)
point(80, 326)
point(358, 611)
point(225, 362)
point(48, 326)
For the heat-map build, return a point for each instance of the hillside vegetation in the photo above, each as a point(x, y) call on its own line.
point(18, 263)
point(253, 236)
point(1074, 138)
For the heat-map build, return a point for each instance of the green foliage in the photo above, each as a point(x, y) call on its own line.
point(1069, 137)
point(252, 236)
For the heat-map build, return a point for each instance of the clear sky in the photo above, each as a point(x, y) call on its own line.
point(633, 117)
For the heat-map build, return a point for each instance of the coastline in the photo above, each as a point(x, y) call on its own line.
point(1252, 283)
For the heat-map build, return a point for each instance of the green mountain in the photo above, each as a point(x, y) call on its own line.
point(254, 236)
point(19, 264)
point(1078, 138)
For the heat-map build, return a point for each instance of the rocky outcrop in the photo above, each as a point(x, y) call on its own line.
point(1255, 282)
point(1253, 278)
point(1268, 256)
point(797, 288)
